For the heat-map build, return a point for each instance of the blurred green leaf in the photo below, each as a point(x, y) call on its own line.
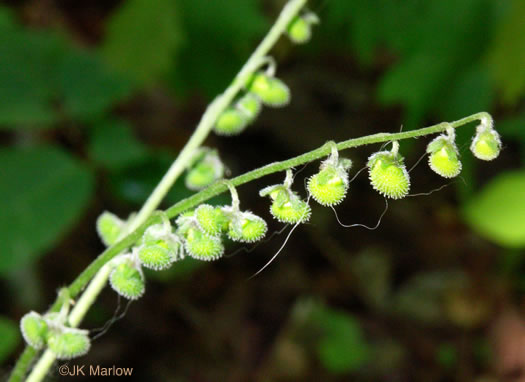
point(447, 39)
point(469, 94)
point(6, 18)
point(513, 127)
point(342, 347)
point(507, 53)
point(10, 337)
point(498, 211)
point(88, 87)
point(43, 191)
point(221, 35)
point(40, 68)
point(143, 37)
point(113, 145)
point(28, 60)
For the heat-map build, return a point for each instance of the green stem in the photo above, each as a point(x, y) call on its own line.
point(310, 156)
point(215, 109)
point(22, 364)
point(42, 367)
point(143, 219)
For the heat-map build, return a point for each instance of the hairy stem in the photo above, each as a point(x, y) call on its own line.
point(215, 109)
point(142, 219)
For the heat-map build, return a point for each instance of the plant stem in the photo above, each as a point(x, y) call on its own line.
point(133, 230)
point(222, 186)
point(41, 368)
point(310, 156)
point(215, 109)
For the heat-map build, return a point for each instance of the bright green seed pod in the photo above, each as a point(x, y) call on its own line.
point(109, 228)
point(159, 256)
point(294, 211)
point(231, 122)
point(69, 343)
point(205, 172)
point(486, 144)
point(271, 91)
point(201, 246)
point(328, 187)
point(127, 280)
point(211, 219)
point(250, 106)
point(388, 174)
point(299, 30)
point(444, 157)
point(34, 330)
point(286, 206)
point(247, 228)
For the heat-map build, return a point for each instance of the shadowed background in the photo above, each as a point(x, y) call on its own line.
point(97, 98)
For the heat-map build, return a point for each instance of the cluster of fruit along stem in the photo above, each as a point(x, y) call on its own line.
point(153, 242)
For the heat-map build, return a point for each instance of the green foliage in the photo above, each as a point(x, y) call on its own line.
point(497, 212)
point(42, 193)
point(142, 38)
point(40, 68)
point(88, 88)
point(10, 337)
point(342, 347)
point(113, 145)
point(507, 53)
point(437, 47)
point(225, 32)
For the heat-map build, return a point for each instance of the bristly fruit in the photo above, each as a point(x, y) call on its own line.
point(388, 174)
point(486, 144)
point(127, 279)
point(109, 227)
point(247, 227)
point(159, 247)
point(34, 330)
point(287, 206)
point(201, 246)
point(69, 343)
point(231, 122)
point(211, 220)
point(205, 170)
point(329, 186)
point(444, 156)
point(270, 90)
point(250, 105)
point(300, 28)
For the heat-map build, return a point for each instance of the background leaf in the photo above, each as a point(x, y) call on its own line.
point(142, 38)
point(113, 144)
point(342, 347)
point(498, 211)
point(507, 53)
point(10, 337)
point(43, 191)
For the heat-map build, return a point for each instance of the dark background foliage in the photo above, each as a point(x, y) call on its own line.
point(96, 99)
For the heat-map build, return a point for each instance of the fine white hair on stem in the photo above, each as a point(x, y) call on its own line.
point(363, 225)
